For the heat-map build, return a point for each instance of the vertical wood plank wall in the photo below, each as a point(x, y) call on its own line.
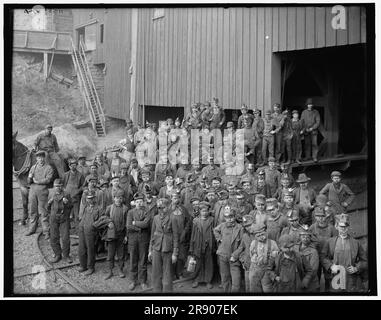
point(194, 54)
point(227, 53)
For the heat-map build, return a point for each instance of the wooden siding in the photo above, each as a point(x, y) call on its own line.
point(117, 40)
point(193, 54)
point(83, 16)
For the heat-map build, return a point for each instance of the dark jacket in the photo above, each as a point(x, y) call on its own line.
point(75, 188)
point(200, 242)
point(164, 234)
point(303, 271)
point(57, 208)
point(228, 248)
point(358, 254)
point(142, 218)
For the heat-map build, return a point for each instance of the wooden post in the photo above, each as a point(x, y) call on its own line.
point(134, 37)
point(45, 70)
point(276, 80)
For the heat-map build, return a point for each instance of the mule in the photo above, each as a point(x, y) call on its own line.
point(23, 159)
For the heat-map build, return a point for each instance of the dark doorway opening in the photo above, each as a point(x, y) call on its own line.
point(336, 80)
point(154, 114)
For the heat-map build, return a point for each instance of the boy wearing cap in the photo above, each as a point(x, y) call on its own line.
point(322, 230)
point(296, 142)
point(277, 117)
point(183, 221)
point(243, 116)
point(345, 251)
point(59, 208)
point(284, 188)
point(243, 206)
point(167, 190)
point(115, 187)
point(339, 194)
point(228, 235)
point(138, 223)
point(39, 178)
point(248, 191)
point(294, 228)
point(272, 175)
point(275, 221)
point(93, 173)
point(262, 253)
point(202, 246)
point(258, 125)
point(163, 248)
point(261, 186)
point(293, 272)
point(243, 254)
point(146, 181)
point(126, 181)
point(87, 232)
point(287, 134)
point(195, 203)
point(150, 201)
point(117, 212)
point(288, 206)
point(259, 213)
point(268, 137)
point(82, 167)
point(73, 182)
point(135, 171)
point(92, 187)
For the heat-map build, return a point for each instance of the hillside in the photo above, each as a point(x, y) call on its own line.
point(36, 102)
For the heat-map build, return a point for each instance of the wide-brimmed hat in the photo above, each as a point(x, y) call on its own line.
point(302, 178)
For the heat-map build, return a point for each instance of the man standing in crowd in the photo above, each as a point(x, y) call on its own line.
point(262, 261)
point(202, 245)
point(87, 234)
point(344, 251)
point(138, 223)
point(73, 182)
point(163, 249)
point(82, 166)
point(277, 118)
point(228, 236)
point(339, 194)
point(59, 207)
point(117, 212)
point(268, 137)
point(310, 122)
point(40, 176)
point(47, 142)
point(305, 198)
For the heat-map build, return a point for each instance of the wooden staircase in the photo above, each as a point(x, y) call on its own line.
point(88, 90)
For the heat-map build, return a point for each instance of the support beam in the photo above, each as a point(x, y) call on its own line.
point(134, 38)
point(45, 69)
point(276, 80)
point(51, 63)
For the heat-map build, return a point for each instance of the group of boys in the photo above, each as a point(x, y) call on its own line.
point(263, 231)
